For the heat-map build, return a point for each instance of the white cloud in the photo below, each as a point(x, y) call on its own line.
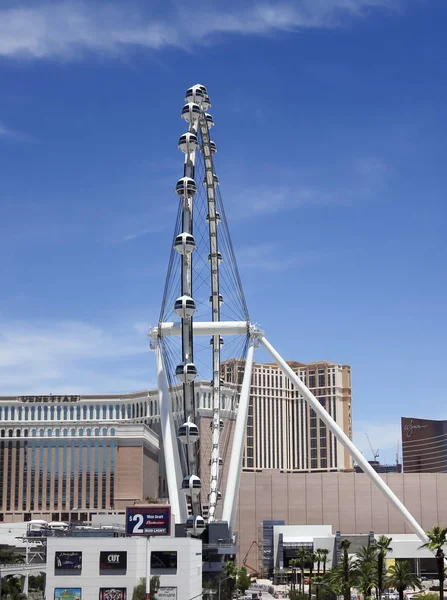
point(65, 29)
point(72, 357)
point(7, 132)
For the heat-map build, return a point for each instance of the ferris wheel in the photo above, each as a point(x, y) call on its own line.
point(203, 288)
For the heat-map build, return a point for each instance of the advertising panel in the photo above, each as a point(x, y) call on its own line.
point(112, 593)
point(148, 520)
point(67, 594)
point(167, 593)
point(163, 560)
point(68, 561)
point(109, 560)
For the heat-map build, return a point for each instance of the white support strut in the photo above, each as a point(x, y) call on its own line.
point(237, 452)
point(345, 441)
point(208, 328)
point(169, 435)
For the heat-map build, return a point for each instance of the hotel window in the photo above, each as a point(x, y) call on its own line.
point(33, 413)
point(71, 413)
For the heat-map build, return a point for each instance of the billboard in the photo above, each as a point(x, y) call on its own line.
point(109, 560)
point(163, 560)
point(67, 593)
point(68, 561)
point(112, 593)
point(167, 593)
point(148, 520)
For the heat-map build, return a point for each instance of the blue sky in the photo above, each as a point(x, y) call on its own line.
point(331, 127)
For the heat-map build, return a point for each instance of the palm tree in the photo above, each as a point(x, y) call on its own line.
point(319, 557)
point(324, 552)
point(341, 577)
point(437, 538)
point(294, 563)
point(367, 554)
point(383, 547)
point(312, 557)
point(302, 555)
point(365, 577)
point(401, 577)
point(345, 564)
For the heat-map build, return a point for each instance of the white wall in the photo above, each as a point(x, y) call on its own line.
point(187, 579)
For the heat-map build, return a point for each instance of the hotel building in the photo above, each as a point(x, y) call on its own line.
point(70, 457)
point(424, 445)
point(282, 431)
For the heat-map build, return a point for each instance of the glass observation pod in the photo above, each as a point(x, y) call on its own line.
point(195, 524)
point(188, 433)
point(195, 94)
point(220, 462)
point(188, 142)
point(221, 300)
point(215, 180)
point(217, 217)
point(191, 113)
point(185, 307)
point(192, 484)
point(186, 372)
point(209, 120)
point(186, 187)
point(221, 340)
point(218, 255)
point(221, 424)
point(185, 242)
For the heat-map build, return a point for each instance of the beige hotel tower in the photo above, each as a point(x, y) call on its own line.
point(282, 431)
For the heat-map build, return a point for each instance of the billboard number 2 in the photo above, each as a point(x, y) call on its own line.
point(137, 525)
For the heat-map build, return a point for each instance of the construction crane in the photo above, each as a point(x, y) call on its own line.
point(244, 561)
point(375, 453)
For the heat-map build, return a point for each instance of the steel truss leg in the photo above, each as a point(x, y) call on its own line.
point(234, 472)
point(170, 445)
point(345, 441)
